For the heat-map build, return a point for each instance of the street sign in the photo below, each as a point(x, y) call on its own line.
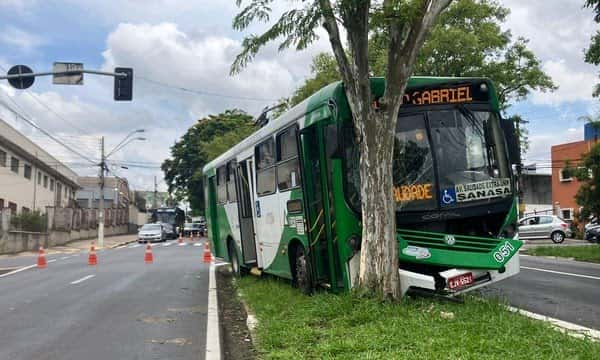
point(22, 82)
point(123, 84)
point(67, 79)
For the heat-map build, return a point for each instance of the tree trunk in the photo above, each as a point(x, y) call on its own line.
point(379, 252)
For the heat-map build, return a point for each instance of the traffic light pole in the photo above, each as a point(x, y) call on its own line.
point(22, 77)
point(69, 72)
point(101, 205)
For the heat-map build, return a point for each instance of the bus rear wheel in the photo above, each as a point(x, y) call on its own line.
point(303, 272)
point(235, 263)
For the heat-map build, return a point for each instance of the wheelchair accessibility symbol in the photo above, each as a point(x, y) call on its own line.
point(448, 197)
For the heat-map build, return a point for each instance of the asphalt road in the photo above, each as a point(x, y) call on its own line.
point(120, 309)
point(562, 289)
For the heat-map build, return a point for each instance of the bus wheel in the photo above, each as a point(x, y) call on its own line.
point(303, 272)
point(235, 263)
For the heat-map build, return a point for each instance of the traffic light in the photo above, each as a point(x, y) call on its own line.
point(124, 85)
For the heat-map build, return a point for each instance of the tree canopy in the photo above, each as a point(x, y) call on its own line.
point(204, 141)
point(468, 40)
point(592, 54)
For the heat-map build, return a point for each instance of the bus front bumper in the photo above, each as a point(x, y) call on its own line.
point(416, 281)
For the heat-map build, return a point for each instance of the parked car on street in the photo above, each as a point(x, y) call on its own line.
point(152, 233)
point(592, 233)
point(193, 227)
point(544, 227)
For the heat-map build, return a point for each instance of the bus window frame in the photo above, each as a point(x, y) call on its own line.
point(279, 161)
point(230, 178)
point(259, 171)
point(218, 183)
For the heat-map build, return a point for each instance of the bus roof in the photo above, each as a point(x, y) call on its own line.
point(315, 108)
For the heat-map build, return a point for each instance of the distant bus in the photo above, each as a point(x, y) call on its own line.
point(173, 216)
point(286, 200)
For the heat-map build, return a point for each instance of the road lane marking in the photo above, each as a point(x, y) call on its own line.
point(213, 343)
point(197, 244)
point(167, 244)
point(64, 257)
point(82, 279)
point(562, 273)
point(53, 260)
point(18, 270)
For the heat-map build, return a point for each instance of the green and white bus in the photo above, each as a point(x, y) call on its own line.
point(286, 200)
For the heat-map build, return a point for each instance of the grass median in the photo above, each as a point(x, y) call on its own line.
point(590, 253)
point(328, 326)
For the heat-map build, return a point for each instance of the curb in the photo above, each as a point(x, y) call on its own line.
point(121, 244)
point(566, 327)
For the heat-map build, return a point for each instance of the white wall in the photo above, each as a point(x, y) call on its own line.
point(16, 188)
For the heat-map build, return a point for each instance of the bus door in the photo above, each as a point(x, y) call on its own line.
point(244, 189)
point(318, 201)
point(212, 221)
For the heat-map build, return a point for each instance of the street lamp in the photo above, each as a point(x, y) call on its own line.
point(102, 164)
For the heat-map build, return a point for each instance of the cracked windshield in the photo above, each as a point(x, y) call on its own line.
point(315, 179)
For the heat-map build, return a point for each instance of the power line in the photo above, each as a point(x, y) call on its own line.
point(45, 132)
point(202, 92)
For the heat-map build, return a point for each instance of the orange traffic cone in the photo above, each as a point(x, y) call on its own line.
point(41, 261)
point(207, 258)
point(148, 259)
point(180, 241)
point(191, 238)
point(92, 259)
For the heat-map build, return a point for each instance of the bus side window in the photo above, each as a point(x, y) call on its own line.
point(231, 195)
point(288, 173)
point(265, 167)
point(221, 185)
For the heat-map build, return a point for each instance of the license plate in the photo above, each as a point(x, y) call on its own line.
point(460, 281)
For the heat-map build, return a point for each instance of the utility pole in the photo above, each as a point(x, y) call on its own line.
point(155, 202)
point(101, 207)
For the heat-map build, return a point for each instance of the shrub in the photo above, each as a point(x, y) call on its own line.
point(30, 221)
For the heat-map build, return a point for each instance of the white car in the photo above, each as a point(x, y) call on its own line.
point(544, 227)
point(152, 233)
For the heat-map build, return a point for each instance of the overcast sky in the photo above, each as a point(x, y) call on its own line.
point(191, 44)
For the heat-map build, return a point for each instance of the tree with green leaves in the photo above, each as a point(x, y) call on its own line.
point(592, 54)
point(587, 172)
point(407, 23)
point(204, 141)
point(468, 40)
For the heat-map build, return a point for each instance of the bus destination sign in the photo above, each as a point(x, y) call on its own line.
point(446, 95)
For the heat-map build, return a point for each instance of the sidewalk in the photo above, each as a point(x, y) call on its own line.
point(80, 245)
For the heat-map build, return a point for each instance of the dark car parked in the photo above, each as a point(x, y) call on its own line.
point(592, 234)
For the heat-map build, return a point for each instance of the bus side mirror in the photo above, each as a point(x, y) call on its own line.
point(512, 141)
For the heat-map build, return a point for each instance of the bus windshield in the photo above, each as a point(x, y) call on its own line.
point(442, 159)
point(165, 217)
point(463, 149)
